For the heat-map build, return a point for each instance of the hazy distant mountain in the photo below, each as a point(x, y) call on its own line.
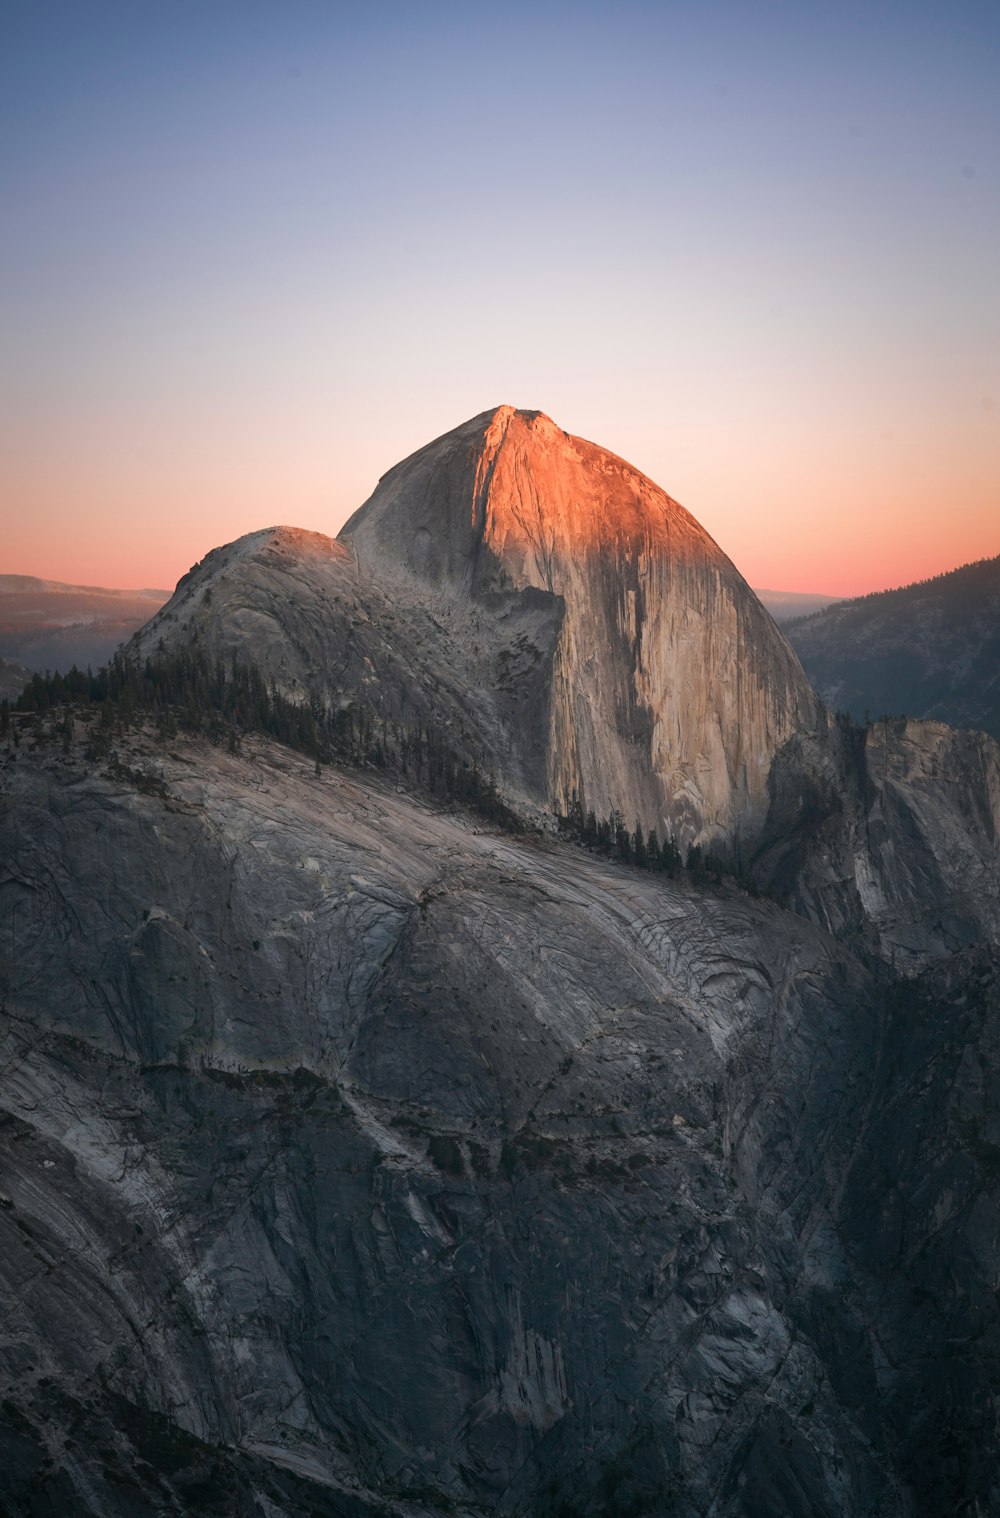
point(47, 625)
point(928, 650)
point(786, 604)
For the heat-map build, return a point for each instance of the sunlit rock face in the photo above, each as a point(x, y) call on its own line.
point(669, 688)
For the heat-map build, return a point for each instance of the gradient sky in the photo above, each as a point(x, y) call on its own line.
point(253, 254)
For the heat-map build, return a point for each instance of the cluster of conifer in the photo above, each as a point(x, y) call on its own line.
point(640, 847)
point(223, 699)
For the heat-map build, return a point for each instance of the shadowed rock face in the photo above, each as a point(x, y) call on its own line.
point(13, 678)
point(357, 1161)
point(299, 606)
point(547, 604)
point(891, 833)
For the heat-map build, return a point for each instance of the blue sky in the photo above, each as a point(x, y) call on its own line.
point(253, 254)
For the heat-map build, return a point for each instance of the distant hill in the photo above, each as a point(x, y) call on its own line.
point(786, 604)
point(928, 650)
point(47, 625)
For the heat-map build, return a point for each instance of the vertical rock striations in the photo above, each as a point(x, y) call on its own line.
point(669, 688)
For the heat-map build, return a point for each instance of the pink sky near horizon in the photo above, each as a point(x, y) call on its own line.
point(253, 257)
point(924, 520)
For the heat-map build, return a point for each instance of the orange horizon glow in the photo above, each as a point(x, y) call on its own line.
point(63, 571)
point(94, 517)
point(133, 567)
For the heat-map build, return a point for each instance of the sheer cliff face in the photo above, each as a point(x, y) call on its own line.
point(892, 832)
point(669, 687)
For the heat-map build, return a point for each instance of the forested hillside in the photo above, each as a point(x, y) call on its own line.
point(927, 650)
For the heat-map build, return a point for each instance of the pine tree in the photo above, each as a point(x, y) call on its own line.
point(670, 857)
point(620, 833)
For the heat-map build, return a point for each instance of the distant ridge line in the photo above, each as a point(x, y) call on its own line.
point(843, 603)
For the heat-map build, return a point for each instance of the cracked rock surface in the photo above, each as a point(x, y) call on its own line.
point(357, 1160)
